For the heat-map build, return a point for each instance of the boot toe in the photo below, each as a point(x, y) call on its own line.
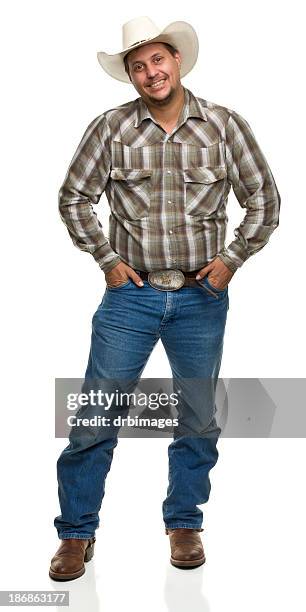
point(68, 561)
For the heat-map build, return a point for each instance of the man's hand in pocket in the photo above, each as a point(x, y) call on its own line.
point(120, 274)
point(218, 274)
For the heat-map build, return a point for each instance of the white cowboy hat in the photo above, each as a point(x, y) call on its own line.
point(141, 31)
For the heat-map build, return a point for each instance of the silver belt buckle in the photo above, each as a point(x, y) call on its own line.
point(166, 280)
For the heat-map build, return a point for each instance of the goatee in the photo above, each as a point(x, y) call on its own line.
point(162, 101)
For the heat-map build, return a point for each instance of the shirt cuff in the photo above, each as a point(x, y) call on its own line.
point(228, 262)
point(106, 258)
point(110, 265)
point(233, 256)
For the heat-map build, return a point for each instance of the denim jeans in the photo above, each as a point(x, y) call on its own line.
point(190, 323)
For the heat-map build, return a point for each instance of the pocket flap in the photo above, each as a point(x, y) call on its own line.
point(125, 174)
point(204, 174)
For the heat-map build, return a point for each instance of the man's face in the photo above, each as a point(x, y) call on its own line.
point(155, 73)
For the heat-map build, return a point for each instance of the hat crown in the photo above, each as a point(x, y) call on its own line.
point(138, 30)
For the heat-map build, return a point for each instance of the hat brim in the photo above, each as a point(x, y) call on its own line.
point(179, 34)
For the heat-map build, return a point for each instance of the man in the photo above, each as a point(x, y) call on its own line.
point(167, 161)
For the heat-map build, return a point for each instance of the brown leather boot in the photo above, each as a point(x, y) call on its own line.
point(186, 547)
point(68, 561)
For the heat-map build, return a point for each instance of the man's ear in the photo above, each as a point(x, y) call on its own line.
point(178, 58)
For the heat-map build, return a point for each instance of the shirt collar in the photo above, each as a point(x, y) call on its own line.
point(191, 108)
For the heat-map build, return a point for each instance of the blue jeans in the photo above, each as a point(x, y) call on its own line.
point(190, 322)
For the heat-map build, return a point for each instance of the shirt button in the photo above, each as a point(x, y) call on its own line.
point(170, 231)
point(168, 171)
point(169, 201)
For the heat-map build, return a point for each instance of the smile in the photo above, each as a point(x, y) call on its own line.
point(157, 84)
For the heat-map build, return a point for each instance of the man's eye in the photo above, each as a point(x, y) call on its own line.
point(158, 58)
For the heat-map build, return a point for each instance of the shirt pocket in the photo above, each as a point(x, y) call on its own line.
point(132, 188)
point(204, 188)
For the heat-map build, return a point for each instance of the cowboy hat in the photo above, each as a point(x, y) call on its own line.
point(141, 31)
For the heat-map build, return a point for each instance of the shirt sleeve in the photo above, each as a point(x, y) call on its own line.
point(83, 186)
point(255, 190)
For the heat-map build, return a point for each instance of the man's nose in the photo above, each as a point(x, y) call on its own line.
point(152, 71)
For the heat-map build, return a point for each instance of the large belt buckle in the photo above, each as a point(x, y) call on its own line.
point(166, 280)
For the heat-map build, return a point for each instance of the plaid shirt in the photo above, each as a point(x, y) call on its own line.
point(168, 192)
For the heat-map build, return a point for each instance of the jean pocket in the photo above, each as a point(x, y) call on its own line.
point(211, 289)
point(119, 286)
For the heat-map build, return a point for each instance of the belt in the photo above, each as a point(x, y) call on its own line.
point(169, 280)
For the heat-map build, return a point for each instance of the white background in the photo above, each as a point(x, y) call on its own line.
point(250, 60)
